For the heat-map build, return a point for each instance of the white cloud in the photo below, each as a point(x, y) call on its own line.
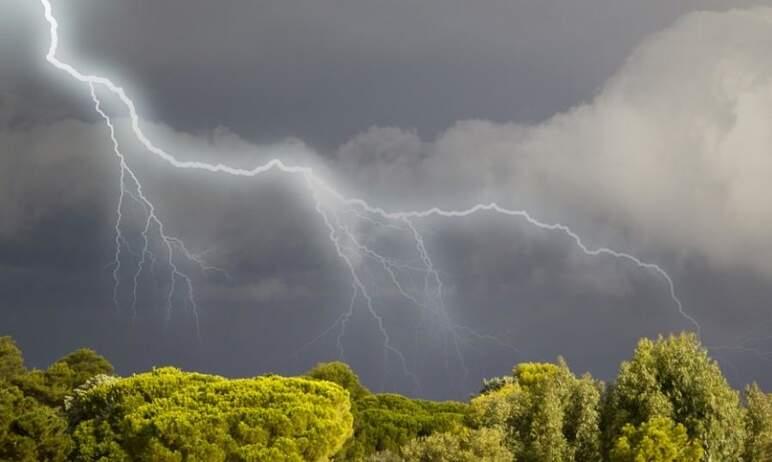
point(677, 145)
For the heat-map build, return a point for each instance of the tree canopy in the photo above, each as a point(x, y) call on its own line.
point(669, 403)
point(459, 445)
point(674, 377)
point(52, 385)
point(170, 415)
point(340, 373)
point(32, 426)
point(387, 421)
point(547, 413)
point(11, 359)
point(659, 439)
point(30, 431)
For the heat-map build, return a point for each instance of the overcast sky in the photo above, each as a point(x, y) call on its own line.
point(644, 126)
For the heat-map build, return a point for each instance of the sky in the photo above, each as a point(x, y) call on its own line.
point(642, 126)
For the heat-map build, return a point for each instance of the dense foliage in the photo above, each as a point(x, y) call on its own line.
point(52, 385)
point(385, 421)
point(340, 373)
point(32, 424)
point(547, 413)
point(758, 425)
point(674, 377)
point(170, 415)
point(30, 431)
point(669, 403)
point(460, 445)
point(11, 360)
point(659, 439)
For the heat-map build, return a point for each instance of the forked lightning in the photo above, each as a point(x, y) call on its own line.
point(332, 206)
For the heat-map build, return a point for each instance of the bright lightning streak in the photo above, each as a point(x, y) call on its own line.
point(168, 241)
point(342, 237)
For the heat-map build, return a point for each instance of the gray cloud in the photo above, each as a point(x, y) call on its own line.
point(324, 70)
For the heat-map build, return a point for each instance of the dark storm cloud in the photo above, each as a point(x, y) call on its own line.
point(325, 72)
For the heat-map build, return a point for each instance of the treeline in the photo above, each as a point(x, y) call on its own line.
point(669, 402)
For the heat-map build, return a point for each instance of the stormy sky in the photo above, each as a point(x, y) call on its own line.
point(644, 126)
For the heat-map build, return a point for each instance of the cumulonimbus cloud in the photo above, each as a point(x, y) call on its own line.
point(677, 145)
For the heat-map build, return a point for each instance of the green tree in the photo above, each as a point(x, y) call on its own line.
point(494, 406)
point(30, 431)
point(460, 445)
point(84, 364)
point(555, 415)
point(674, 377)
point(582, 419)
point(170, 415)
point(656, 440)
point(52, 385)
point(758, 425)
point(547, 413)
point(384, 422)
point(340, 373)
point(11, 359)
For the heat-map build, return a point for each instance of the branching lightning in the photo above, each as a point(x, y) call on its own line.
point(169, 242)
point(333, 208)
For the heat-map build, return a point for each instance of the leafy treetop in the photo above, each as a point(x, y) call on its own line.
point(170, 415)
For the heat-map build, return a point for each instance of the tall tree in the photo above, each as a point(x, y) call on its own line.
point(674, 377)
point(547, 413)
point(555, 415)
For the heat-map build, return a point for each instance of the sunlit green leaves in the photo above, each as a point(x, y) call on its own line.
point(659, 439)
point(172, 415)
point(673, 377)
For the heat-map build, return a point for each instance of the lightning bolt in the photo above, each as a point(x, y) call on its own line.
point(332, 207)
point(169, 242)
